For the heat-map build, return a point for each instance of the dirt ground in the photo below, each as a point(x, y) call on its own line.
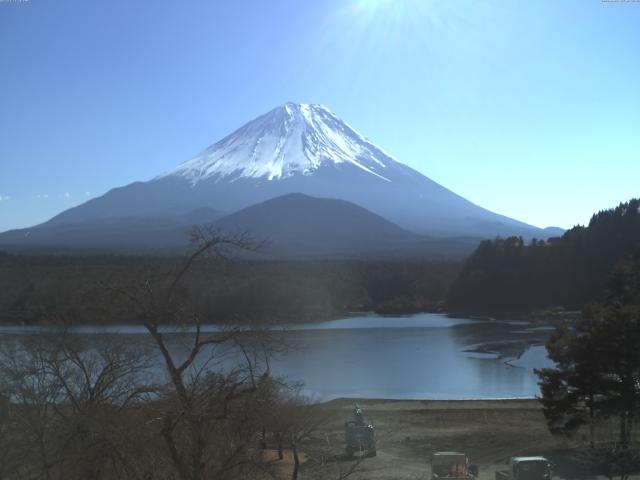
point(488, 431)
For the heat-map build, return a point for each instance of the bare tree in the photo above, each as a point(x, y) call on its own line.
point(297, 425)
point(70, 405)
point(614, 460)
point(102, 409)
point(207, 414)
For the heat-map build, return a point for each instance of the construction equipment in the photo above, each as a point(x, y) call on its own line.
point(526, 468)
point(454, 465)
point(360, 436)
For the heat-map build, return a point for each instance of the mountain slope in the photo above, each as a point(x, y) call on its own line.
point(128, 234)
point(297, 225)
point(302, 148)
point(300, 226)
point(289, 140)
point(293, 226)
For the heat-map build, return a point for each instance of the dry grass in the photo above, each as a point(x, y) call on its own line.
point(488, 431)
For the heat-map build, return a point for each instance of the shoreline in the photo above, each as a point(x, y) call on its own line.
point(439, 403)
point(534, 316)
point(501, 317)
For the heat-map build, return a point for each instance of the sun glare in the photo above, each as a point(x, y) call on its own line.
point(375, 4)
point(407, 18)
point(396, 9)
point(390, 25)
point(410, 26)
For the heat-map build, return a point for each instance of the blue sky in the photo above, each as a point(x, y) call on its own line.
point(528, 108)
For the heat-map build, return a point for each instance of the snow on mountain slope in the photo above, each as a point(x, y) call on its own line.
point(291, 139)
point(300, 149)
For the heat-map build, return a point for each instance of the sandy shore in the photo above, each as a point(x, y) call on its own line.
point(488, 431)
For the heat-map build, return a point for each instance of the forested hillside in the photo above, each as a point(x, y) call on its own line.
point(36, 289)
point(510, 275)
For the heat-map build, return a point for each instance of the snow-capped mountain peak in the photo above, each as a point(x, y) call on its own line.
point(293, 139)
point(293, 149)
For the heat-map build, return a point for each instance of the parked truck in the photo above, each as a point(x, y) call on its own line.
point(526, 468)
point(360, 436)
point(452, 465)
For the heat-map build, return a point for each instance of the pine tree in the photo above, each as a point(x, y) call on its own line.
point(597, 370)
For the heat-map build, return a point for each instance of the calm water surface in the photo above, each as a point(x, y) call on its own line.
point(426, 356)
point(421, 356)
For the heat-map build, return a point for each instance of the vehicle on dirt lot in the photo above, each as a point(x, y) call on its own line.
point(446, 465)
point(526, 468)
point(360, 436)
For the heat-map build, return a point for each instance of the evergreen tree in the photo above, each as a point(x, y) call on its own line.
point(507, 275)
point(597, 370)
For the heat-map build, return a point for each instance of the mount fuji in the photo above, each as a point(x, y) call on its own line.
point(294, 148)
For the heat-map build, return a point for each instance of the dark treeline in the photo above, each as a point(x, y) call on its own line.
point(37, 288)
point(511, 275)
point(592, 394)
point(503, 275)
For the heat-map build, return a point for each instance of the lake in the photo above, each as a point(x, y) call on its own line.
point(423, 356)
